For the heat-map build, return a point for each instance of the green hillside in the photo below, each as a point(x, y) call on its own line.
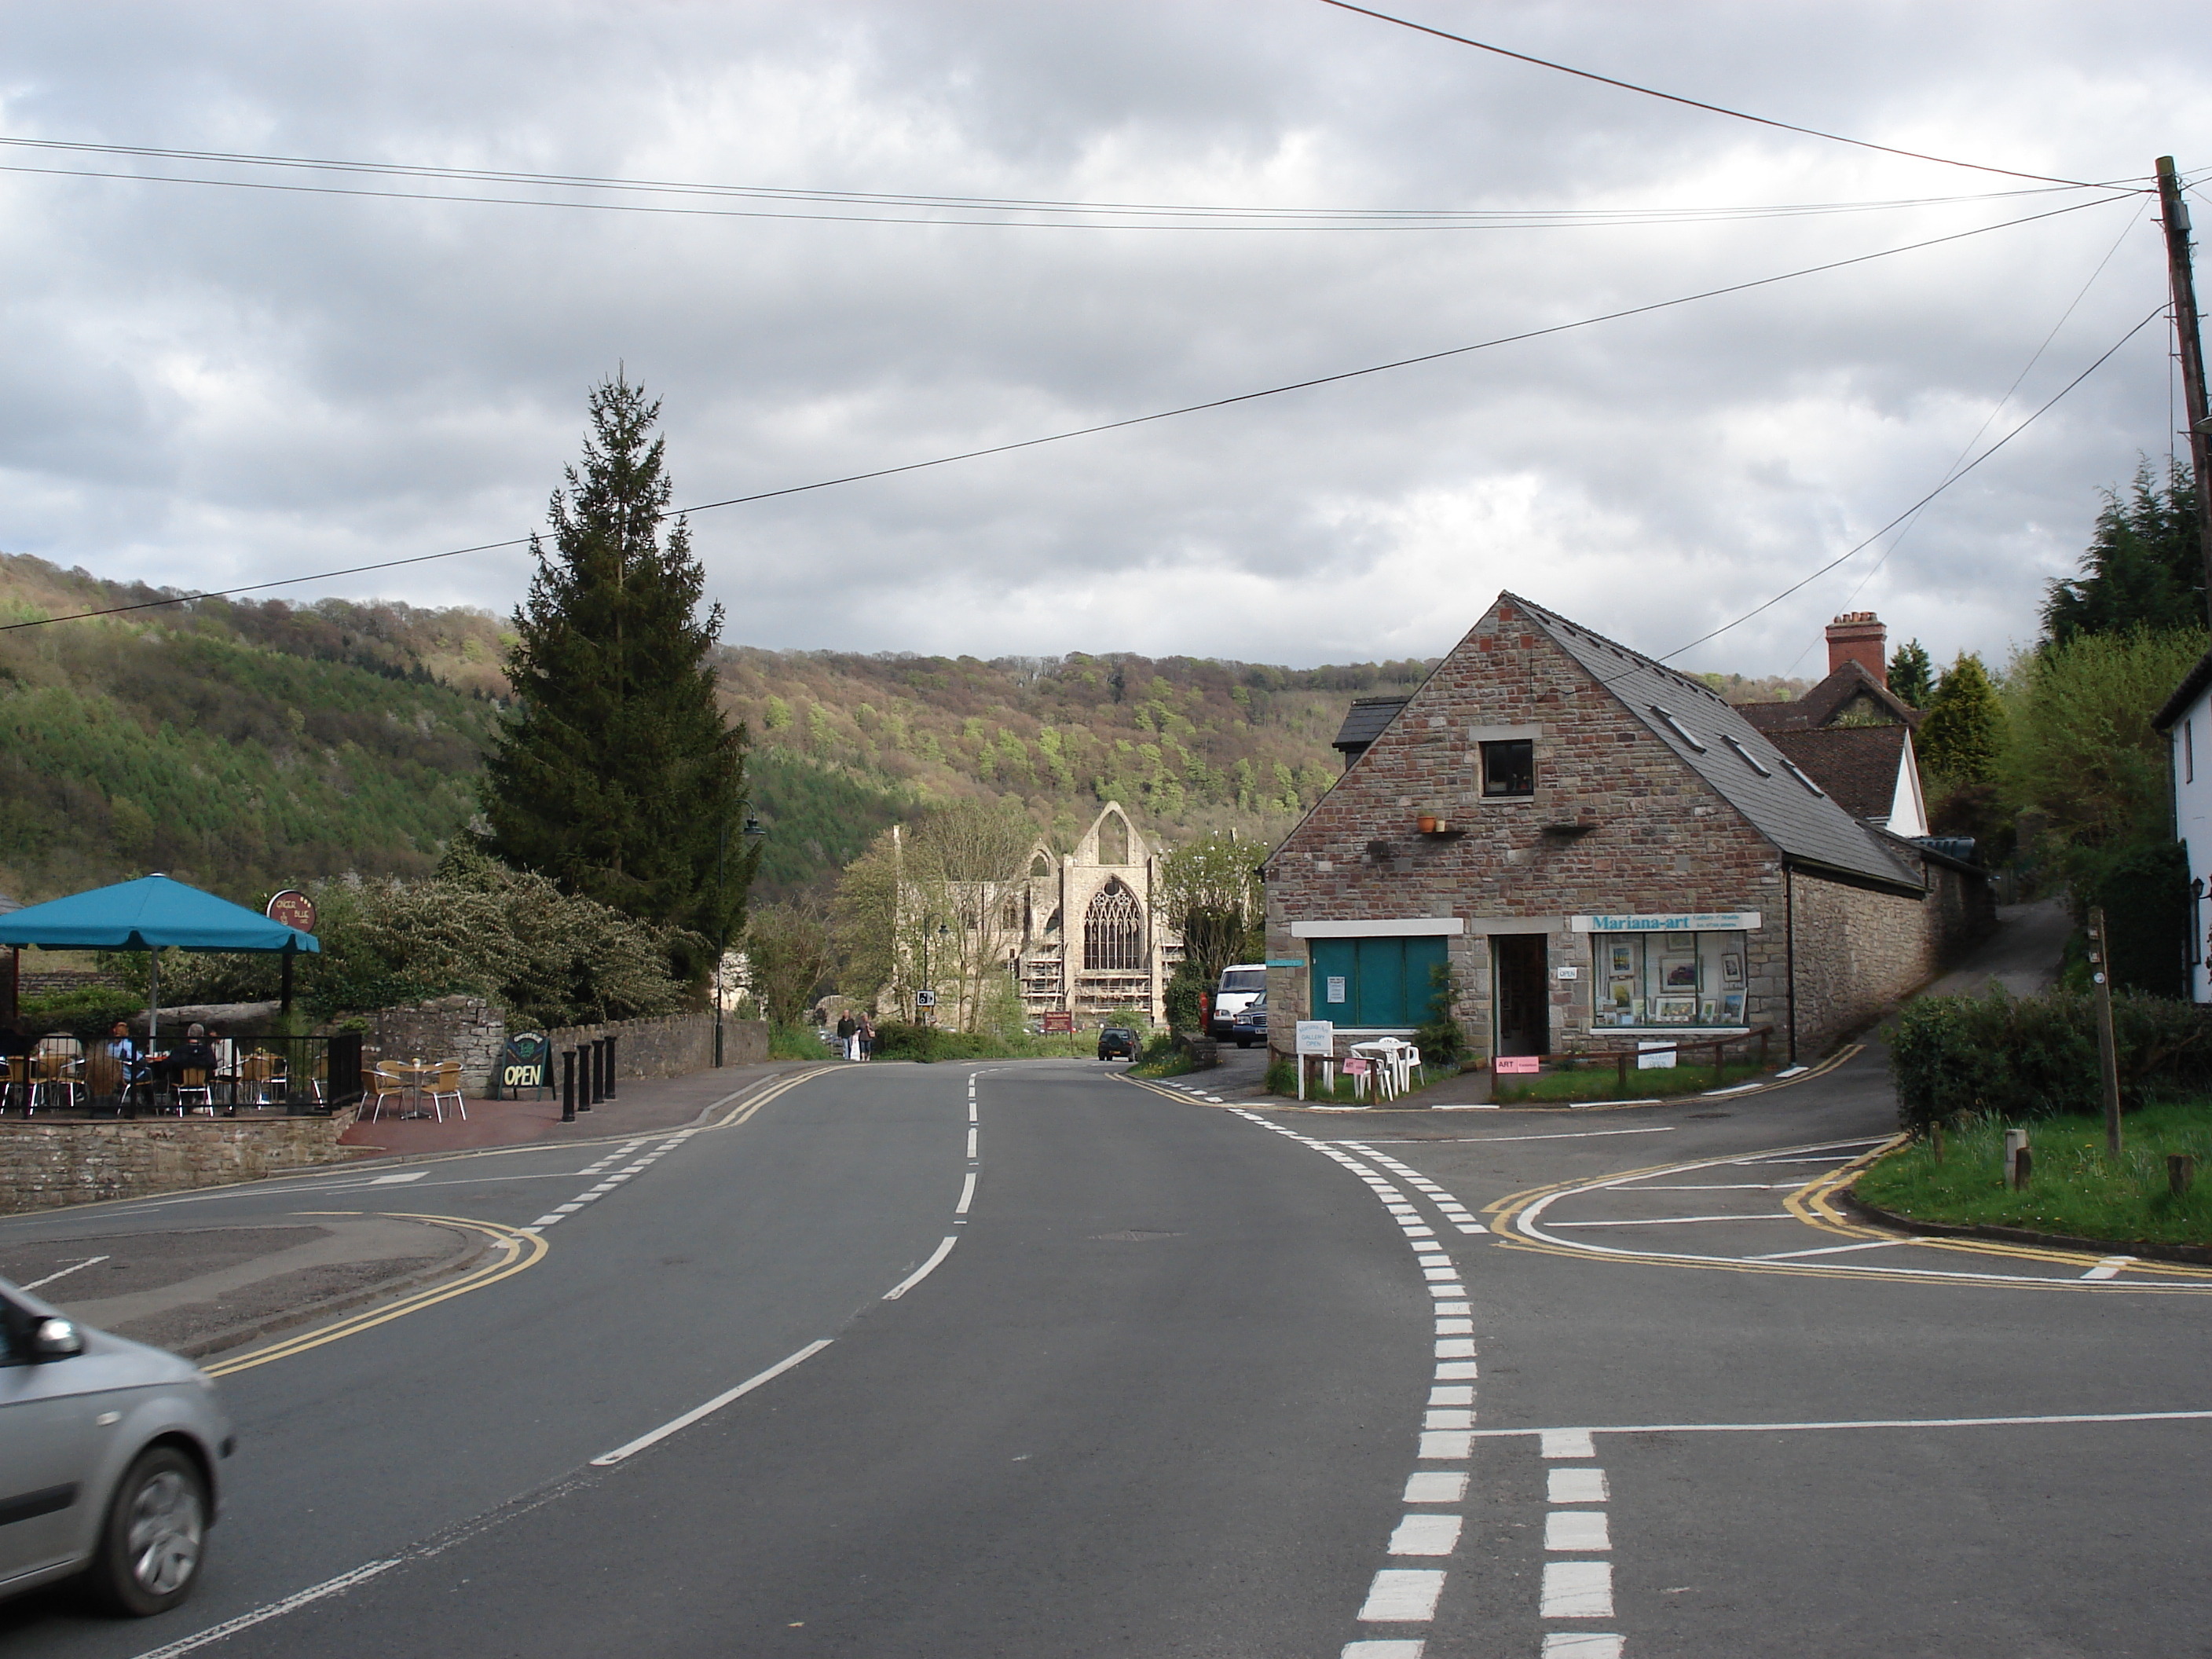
point(244, 746)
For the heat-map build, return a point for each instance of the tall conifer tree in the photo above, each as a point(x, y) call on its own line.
point(617, 775)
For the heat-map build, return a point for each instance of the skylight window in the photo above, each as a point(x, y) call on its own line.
point(1801, 778)
point(1749, 758)
point(1680, 729)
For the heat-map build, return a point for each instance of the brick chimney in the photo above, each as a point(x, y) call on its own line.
point(1859, 636)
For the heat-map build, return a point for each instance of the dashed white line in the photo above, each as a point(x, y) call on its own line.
point(606, 1460)
point(1577, 1589)
point(2109, 1267)
point(337, 1586)
point(74, 1266)
point(1576, 1531)
point(1566, 1443)
point(1575, 1486)
point(1425, 1535)
point(1403, 1595)
point(967, 1195)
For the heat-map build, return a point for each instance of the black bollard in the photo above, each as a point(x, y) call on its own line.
point(567, 1085)
point(598, 1070)
point(585, 1055)
point(611, 1067)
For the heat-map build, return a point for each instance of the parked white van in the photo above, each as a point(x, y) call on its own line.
point(1240, 982)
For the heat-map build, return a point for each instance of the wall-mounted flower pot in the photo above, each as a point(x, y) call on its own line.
point(1429, 825)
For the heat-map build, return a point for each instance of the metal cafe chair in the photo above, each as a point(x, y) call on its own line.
point(445, 1081)
point(385, 1083)
point(258, 1074)
point(54, 1069)
point(189, 1082)
point(15, 1084)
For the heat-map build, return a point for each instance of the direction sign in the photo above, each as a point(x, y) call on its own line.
point(925, 999)
point(1055, 1023)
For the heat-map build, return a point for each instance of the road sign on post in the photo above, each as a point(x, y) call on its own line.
point(1054, 1024)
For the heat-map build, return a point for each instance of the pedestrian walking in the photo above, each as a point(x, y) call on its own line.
point(848, 1039)
point(867, 1035)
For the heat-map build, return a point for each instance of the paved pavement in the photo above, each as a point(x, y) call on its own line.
point(1030, 1358)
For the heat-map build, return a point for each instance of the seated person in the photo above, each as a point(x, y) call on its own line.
point(120, 1046)
point(192, 1054)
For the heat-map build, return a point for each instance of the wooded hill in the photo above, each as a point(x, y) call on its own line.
point(244, 746)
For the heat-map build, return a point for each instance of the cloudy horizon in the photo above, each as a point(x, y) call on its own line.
point(209, 386)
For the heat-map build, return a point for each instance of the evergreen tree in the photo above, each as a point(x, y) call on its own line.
point(1959, 740)
point(617, 775)
point(2144, 567)
point(1912, 675)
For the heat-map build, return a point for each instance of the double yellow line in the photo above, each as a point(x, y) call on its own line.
point(518, 1250)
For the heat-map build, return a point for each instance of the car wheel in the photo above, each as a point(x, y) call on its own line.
point(151, 1543)
point(1244, 1043)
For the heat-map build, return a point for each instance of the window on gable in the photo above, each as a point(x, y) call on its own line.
point(1509, 768)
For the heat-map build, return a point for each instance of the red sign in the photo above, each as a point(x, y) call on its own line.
point(295, 909)
point(1515, 1065)
point(1054, 1024)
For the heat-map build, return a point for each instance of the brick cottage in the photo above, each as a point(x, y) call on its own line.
point(1601, 852)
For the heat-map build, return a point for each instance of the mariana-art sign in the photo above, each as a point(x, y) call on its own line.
point(1671, 922)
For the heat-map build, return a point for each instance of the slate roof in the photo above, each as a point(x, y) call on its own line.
point(1363, 722)
point(1824, 700)
point(8, 905)
point(2192, 687)
point(1856, 764)
point(1809, 828)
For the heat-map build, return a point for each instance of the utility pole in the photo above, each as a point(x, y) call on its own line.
point(2108, 1057)
point(2189, 346)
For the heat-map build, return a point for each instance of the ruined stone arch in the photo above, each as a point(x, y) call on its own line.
point(1113, 839)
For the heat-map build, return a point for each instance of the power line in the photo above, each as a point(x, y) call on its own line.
point(2155, 312)
point(1130, 421)
point(1101, 216)
point(1694, 103)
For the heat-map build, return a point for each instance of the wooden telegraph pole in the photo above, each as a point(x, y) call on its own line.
point(2190, 347)
point(2108, 1057)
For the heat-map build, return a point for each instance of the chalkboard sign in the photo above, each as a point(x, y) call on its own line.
point(523, 1064)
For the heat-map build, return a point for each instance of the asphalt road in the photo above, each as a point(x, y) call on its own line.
point(1193, 1379)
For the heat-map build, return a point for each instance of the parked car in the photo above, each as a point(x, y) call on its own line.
point(108, 1451)
point(1118, 1042)
point(1250, 1026)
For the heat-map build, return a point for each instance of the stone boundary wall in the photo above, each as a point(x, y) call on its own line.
point(474, 1031)
point(59, 981)
point(466, 1028)
point(44, 1166)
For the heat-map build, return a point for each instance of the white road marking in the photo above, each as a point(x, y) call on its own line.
point(1576, 1486)
point(1577, 1590)
point(1392, 1650)
point(2109, 1267)
point(1447, 1418)
point(971, 1109)
point(1455, 1394)
point(1672, 1220)
point(1833, 1250)
point(1425, 1535)
point(1454, 1328)
point(1581, 1436)
point(1621, 1186)
point(971, 1140)
point(1451, 1306)
point(398, 1180)
point(1405, 1595)
point(1449, 1446)
point(1433, 1274)
point(967, 1195)
point(1576, 1531)
point(675, 1424)
point(923, 1270)
point(1446, 1487)
point(1449, 1370)
point(1477, 1140)
point(1580, 1645)
point(73, 1267)
point(1454, 1347)
point(337, 1586)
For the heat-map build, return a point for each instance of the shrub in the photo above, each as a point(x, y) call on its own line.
point(1282, 1077)
point(1185, 988)
point(896, 1040)
point(2143, 887)
point(1439, 1037)
point(89, 1012)
point(2032, 1057)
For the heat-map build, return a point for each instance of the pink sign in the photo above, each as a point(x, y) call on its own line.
point(1514, 1065)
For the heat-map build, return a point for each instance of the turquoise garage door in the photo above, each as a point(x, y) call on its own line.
point(1375, 981)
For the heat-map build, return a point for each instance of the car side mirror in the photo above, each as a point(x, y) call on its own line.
point(55, 1339)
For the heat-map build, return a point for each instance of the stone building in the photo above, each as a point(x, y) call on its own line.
point(1600, 852)
point(1079, 932)
point(1851, 732)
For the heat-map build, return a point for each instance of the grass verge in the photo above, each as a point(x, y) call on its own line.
point(2076, 1189)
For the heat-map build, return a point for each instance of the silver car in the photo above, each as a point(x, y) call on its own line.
point(107, 1461)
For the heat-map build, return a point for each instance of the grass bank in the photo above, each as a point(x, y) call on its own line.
point(2074, 1188)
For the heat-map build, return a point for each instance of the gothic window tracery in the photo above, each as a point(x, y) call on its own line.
point(1114, 931)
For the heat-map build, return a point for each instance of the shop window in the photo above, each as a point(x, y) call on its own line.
point(1668, 979)
point(1509, 768)
point(1371, 982)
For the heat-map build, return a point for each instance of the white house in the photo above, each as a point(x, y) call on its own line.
point(2186, 719)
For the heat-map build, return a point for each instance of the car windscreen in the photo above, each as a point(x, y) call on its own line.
point(1244, 979)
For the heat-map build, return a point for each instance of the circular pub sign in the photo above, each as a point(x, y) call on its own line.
point(295, 909)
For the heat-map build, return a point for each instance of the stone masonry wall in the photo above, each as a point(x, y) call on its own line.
point(466, 1028)
point(44, 1166)
point(674, 1047)
point(475, 1032)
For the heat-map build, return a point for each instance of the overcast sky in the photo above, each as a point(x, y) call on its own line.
point(205, 385)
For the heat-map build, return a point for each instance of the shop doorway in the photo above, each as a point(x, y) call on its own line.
point(1522, 997)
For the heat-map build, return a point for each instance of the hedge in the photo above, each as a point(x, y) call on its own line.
point(2031, 1057)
